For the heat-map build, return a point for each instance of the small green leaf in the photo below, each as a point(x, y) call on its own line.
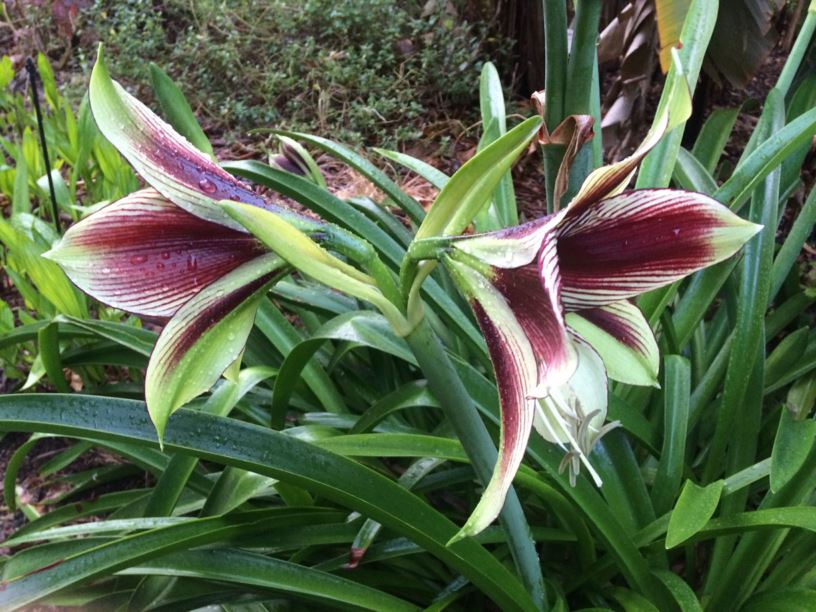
point(794, 439)
point(802, 396)
point(435, 177)
point(695, 506)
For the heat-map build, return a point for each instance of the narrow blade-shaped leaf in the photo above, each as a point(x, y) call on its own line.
point(468, 190)
point(177, 110)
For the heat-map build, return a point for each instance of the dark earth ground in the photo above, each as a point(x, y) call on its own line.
point(37, 491)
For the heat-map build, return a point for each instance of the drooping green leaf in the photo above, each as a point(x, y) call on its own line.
point(251, 569)
point(272, 454)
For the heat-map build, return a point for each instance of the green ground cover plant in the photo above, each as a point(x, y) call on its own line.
point(369, 71)
point(336, 401)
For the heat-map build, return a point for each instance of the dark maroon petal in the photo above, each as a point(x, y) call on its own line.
point(641, 240)
point(145, 255)
point(533, 293)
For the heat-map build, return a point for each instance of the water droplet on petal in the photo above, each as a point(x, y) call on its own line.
point(235, 197)
point(138, 259)
point(165, 255)
point(207, 186)
point(160, 266)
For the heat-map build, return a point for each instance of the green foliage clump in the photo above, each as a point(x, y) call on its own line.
point(356, 71)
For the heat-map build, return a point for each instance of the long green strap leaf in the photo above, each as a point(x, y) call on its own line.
point(278, 456)
point(246, 568)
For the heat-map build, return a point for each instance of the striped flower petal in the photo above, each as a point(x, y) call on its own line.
point(146, 255)
point(205, 336)
point(641, 240)
point(165, 159)
point(529, 349)
point(622, 337)
point(516, 370)
point(610, 180)
point(511, 247)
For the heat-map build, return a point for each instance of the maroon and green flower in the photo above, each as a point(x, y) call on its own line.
point(552, 299)
point(170, 251)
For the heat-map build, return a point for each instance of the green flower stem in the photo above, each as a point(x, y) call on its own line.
point(463, 416)
point(555, 82)
point(582, 75)
point(363, 253)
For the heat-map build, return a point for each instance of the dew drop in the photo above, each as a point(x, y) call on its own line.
point(235, 197)
point(165, 255)
point(160, 266)
point(138, 259)
point(207, 186)
point(192, 263)
point(106, 270)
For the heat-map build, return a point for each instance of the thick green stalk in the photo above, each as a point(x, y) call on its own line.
point(446, 385)
point(555, 84)
point(581, 76)
point(577, 99)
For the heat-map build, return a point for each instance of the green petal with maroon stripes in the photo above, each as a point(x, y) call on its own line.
point(164, 158)
point(511, 247)
point(205, 336)
point(641, 240)
point(146, 255)
point(620, 334)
